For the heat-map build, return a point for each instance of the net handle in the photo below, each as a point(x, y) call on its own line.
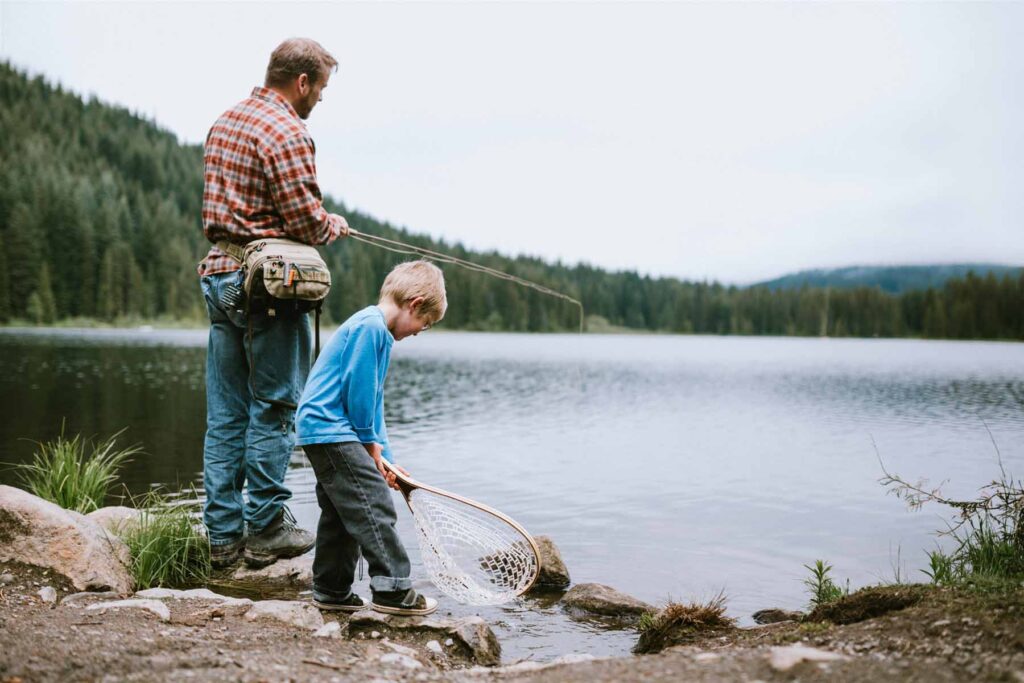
point(407, 485)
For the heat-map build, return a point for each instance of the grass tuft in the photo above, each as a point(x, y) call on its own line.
point(680, 623)
point(75, 473)
point(168, 547)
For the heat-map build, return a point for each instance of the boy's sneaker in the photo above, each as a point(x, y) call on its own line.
point(226, 554)
point(407, 603)
point(280, 539)
point(353, 603)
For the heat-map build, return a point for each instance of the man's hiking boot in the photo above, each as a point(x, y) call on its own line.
point(407, 603)
point(353, 603)
point(280, 539)
point(226, 554)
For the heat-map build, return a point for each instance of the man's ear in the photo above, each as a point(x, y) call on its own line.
point(303, 84)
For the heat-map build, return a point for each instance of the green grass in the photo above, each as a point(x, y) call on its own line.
point(167, 546)
point(75, 473)
point(822, 588)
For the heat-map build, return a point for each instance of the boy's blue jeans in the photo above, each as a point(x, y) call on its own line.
point(356, 513)
point(248, 441)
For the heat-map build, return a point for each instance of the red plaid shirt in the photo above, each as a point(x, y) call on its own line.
point(260, 180)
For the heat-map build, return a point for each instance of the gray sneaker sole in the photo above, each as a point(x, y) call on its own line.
point(332, 607)
point(256, 559)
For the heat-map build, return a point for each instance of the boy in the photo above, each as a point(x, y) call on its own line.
point(340, 423)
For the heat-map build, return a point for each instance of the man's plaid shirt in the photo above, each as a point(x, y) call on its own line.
point(260, 180)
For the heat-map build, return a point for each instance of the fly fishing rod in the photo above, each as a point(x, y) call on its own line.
point(402, 248)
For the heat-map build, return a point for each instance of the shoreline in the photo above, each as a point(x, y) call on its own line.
point(945, 635)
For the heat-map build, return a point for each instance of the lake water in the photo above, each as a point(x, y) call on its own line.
point(665, 466)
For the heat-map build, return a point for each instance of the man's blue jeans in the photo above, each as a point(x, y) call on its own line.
point(249, 440)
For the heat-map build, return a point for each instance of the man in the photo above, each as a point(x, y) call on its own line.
point(260, 181)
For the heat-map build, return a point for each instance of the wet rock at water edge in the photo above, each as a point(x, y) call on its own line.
point(468, 638)
point(598, 599)
point(37, 532)
point(289, 575)
point(775, 616)
point(554, 575)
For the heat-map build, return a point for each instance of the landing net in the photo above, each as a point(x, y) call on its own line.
point(471, 555)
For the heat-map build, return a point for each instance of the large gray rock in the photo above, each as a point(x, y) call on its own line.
point(553, 573)
point(293, 612)
point(37, 532)
point(469, 638)
point(116, 519)
point(596, 598)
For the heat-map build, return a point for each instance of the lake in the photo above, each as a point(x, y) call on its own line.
point(664, 466)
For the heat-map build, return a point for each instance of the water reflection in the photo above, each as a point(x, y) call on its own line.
point(663, 466)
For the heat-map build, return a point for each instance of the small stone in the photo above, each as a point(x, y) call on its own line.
point(331, 629)
point(77, 599)
point(154, 606)
point(375, 634)
point(448, 642)
point(403, 660)
point(400, 649)
point(434, 647)
point(785, 658)
point(301, 614)
point(6, 578)
point(941, 622)
point(48, 595)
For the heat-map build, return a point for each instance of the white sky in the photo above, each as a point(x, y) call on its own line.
point(729, 141)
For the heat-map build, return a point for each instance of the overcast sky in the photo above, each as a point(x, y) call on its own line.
point(728, 141)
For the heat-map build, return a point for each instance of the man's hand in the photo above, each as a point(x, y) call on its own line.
point(344, 226)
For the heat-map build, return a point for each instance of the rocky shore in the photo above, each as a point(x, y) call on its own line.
point(68, 614)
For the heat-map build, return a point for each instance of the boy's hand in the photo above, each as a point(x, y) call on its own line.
point(375, 450)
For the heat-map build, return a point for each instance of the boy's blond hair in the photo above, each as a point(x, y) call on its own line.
point(417, 278)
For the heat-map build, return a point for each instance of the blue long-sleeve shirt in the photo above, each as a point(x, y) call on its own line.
point(344, 395)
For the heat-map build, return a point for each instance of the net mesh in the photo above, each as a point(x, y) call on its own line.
point(471, 555)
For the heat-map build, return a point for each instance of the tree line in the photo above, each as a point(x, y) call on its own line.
point(100, 219)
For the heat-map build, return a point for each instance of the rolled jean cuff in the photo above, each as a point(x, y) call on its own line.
point(217, 541)
point(389, 584)
point(322, 594)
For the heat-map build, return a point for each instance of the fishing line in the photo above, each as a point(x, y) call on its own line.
point(402, 248)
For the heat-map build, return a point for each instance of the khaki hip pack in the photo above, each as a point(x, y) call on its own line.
point(282, 269)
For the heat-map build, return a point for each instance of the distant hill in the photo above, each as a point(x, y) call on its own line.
point(891, 279)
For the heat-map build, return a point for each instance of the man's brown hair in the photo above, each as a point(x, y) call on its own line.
point(297, 56)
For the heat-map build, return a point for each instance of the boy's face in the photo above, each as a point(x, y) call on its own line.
point(411, 321)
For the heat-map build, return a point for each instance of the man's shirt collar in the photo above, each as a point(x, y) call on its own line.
point(274, 97)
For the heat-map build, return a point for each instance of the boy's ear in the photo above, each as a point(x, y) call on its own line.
point(416, 302)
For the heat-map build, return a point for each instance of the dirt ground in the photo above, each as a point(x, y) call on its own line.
point(942, 636)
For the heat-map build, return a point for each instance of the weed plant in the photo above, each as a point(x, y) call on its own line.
point(75, 473)
point(988, 531)
point(167, 546)
point(821, 586)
